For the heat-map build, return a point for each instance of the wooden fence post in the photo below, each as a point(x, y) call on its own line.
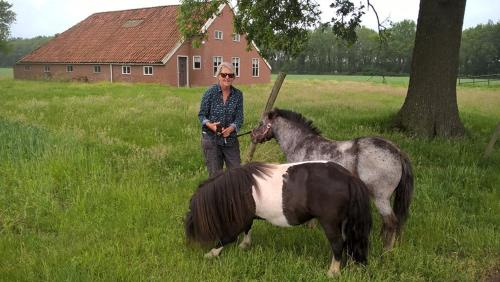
point(269, 105)
point(494, 137)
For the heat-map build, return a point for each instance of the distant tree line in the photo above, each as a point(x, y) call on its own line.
point(326, 54)
point(20, 47)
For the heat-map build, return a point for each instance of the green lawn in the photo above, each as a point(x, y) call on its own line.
point(95, 180)
point(392, 80)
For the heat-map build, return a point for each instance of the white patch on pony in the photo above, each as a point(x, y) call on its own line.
point(269, 199)
point(334, 268)
point(215, 252)
point(247, 240)
point(344, 145)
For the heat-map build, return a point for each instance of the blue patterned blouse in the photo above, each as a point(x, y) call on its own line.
point(213, 109)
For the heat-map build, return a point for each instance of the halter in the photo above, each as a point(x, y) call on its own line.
point(263, 134)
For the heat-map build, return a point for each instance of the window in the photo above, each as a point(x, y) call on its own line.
point(217, 61)
point(46, 68)
point(69, 68)
point(236, 66)
point(27, 68)
point(148, 70)
point(196, 62)
point(255, 67)
point(126, 70)
point(236, 37)
point(132, 23)
point(97, 69)
point(218, 35)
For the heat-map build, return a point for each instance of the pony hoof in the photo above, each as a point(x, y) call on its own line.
point(213, 253)
point(332, 274)
point(312, 223)
point(209, 255)
point(244, 245)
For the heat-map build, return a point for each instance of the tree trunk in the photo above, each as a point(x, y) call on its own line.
point(430, 108)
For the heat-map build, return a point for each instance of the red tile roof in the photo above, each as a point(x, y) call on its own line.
point(111, 37)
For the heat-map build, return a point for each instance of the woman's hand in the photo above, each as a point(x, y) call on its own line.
point(226, 131)
point(212, 126)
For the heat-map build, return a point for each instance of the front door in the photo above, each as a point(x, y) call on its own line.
point(182, 71)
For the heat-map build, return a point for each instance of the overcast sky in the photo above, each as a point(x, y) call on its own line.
point(48, 17)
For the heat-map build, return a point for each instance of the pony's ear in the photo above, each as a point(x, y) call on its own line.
point(273, 113)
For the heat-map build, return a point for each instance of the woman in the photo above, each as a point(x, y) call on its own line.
point(221, 117)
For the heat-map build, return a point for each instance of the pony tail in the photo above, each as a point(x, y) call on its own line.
point(359, 222)
point(404, 192)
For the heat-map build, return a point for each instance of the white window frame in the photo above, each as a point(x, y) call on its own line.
point(255, 67)
point(236, 37)
point(126, 69)
point(236, 61)
point(196, 59)
point(147, 70)
point(216, 61)
point(218, 35)
point(46, 68)
point(69, 68)
point(97, 69)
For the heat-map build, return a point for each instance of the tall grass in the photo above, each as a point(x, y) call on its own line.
point(95, 180)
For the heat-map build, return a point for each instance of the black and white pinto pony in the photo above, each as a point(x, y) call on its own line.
point(380, 164)
point(225, 206)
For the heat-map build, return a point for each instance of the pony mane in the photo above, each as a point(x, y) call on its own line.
point(223, 205)
point(298, 119)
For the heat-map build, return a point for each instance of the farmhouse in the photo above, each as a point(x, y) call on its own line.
point(144, 45)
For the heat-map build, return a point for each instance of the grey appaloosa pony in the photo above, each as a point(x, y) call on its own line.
point(380, 164)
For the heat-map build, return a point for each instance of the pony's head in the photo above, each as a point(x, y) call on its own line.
point(264, 131)
point(223, 205)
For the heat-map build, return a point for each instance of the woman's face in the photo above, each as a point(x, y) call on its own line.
point(226, 77)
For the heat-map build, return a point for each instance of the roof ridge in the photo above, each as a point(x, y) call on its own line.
point(133, 9)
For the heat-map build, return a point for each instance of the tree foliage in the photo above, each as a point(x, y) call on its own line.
point(480, 50)
point(325, 53)
point(7, 17)
point(272, 25)
point(21, 47)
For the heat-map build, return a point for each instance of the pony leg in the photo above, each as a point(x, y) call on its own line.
point(333, 232)
point(390, 223)
point(215, 252)
point(334, 269)
point(247, 240)
point(389, 228)
point(312, 223)
point(247, 237)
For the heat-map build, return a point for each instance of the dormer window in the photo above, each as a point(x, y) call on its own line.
point(218, 35)
point(132, 23)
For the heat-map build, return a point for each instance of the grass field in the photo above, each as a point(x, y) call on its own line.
point(95, 180)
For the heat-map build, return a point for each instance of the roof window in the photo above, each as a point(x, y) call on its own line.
point(132, 23)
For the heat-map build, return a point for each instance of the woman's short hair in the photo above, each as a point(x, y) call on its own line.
point(224, 65)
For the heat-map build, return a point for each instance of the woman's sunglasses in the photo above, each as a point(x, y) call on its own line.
point(224, 75)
